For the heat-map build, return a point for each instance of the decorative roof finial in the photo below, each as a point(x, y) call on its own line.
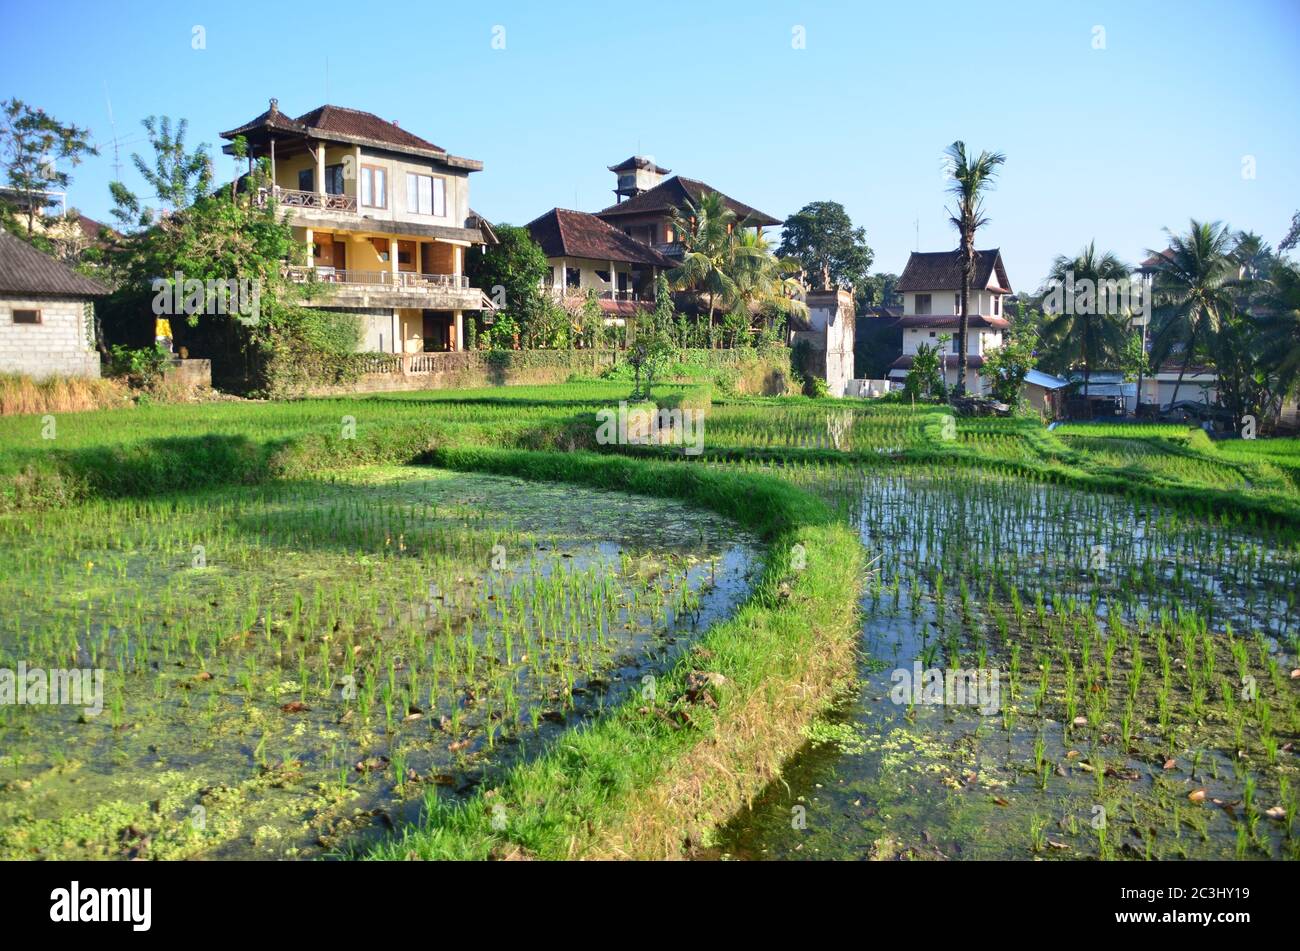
point(275, 106)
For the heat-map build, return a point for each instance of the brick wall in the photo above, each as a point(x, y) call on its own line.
point(58, 346)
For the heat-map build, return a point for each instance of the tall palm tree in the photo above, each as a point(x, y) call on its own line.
point(1278, 322)
point(1093, 336)
point(971, 177)
point(1195, 284)
point(705, 231)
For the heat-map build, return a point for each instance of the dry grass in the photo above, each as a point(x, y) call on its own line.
point(21, 394)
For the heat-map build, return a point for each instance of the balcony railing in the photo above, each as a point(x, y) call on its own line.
point(402, 280)
point(578, 293)
point(293, 198)
point(403, 364)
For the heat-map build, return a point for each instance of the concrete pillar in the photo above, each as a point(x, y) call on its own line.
point(320, 168)
point(459, 342)
point(392, 260)
point(310, 237)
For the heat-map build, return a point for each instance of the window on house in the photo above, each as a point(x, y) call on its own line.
point(603, 275)
point(334, 179)
point(572, 277)
point(306, 180)
point(381, 248)
point(956, 303)
point(997, 305)
point(426, 194)
point(374, 186)
point(27, 316)
point(923, 304)
point(932, 333)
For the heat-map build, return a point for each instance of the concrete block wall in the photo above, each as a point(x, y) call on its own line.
point(58, 346)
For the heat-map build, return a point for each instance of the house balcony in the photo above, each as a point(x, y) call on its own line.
point(315, 201)
point(409, 289)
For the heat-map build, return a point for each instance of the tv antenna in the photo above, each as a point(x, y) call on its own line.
point(117, 160)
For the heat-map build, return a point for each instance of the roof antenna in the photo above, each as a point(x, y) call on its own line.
point(117, 162)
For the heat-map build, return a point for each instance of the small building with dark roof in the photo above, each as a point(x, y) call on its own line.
point(586, 253)
point(47, 316)
point(930, 286)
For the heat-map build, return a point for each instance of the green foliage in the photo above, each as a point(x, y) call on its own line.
point(31, 142)
point(142, 368)
point(821, 237)
point(924, 378)
point(510, 273)
point(1006, 367)
point(177, 178)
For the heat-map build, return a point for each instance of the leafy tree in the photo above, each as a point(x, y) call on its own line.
point(971, 177)
point(31, 143)
point(1006, 367)
point(1292, 237)
point(178, 178)
point(875, 291)
point(511, 272)
point(829, 250)
point(1088, 333)
point(648, 355)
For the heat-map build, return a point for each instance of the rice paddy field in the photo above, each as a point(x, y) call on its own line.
point(1148, 707)
point(453, 624)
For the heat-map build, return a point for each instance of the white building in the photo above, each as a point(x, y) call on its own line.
point(930, 286)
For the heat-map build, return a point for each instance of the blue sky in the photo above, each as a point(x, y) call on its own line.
point(1113, 144)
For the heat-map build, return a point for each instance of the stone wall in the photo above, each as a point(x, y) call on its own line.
point(60, 345)
point(477, 368)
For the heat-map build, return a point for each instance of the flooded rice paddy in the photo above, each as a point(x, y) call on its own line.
point(1147, 702)
point(289, 670)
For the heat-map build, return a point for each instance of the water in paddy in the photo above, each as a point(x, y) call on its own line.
point(1147, 702)
point(291, 670)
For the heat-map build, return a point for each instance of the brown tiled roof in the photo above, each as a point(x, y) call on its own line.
point(638, 161)
point(974, 321)
point(362, 125)
point(674, 193)
point(24, 270)
point(328, 121)
point(563, 233)
point(941, 271)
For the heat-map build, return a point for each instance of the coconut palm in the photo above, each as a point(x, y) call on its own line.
point(1195, 285)
point(971, 177)
point(1278, 341)
point(761, 277)
point(1090, 334)
point(705, 231)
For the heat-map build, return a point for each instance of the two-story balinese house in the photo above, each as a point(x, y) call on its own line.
point(646, 201)
point(586, 254)
point(386, 215)
point(930, 286)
